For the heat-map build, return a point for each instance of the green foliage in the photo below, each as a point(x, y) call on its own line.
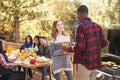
point(65, 10)
point(36, 16)
point(16, 11)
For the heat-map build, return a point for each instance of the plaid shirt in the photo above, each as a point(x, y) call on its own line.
point(89, 42)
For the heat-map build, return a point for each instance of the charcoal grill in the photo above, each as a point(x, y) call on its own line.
point(111, 71)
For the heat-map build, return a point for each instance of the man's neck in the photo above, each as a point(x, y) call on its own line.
point(83, 18)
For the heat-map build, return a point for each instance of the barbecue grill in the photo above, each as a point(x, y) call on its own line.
point(111, 61)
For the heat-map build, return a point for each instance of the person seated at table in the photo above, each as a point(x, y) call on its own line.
point(5, 66)
point(28, 44)
point(44, 50)
point(36, 44)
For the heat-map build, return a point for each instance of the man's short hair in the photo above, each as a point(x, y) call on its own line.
point(83, 9)
point(43, 37)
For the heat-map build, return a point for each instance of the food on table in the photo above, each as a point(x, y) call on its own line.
point(42, 59)
point(18, 51)
point(32, 61)
point(34, 55)
point(22, 57)
point(22, 51)
point(17, 61)
point(27, 55)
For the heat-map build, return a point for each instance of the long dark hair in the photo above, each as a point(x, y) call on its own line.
point(1, 47)
point(30, 37)
point(37, 37)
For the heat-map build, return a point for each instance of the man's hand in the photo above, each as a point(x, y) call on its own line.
point(68, 49)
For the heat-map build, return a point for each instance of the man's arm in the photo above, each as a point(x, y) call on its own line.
point(80, 40)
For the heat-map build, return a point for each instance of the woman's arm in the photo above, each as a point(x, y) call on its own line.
point(4, 63)
point(55, 50)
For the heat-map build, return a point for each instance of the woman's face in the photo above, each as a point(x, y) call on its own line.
point(36, 41)
point(60, 26)
point(28, 40)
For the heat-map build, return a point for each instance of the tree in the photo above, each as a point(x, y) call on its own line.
point(16, 11)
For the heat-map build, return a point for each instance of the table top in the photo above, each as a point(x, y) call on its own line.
point(26, 63)
point(37, 64)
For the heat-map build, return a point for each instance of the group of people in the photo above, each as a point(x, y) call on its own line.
point(89, 42)
point(41, 48)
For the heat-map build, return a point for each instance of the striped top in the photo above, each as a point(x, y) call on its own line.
point(61, 62)
point(4, 63)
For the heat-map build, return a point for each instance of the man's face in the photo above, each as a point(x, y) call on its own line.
point(42, 41)
point(79, 15)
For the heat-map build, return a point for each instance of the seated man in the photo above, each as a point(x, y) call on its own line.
point(44, 50)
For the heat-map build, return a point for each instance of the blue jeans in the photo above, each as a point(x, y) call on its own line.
point(68, 74)
point(44, 72)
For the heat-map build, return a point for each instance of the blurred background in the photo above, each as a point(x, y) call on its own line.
point(18, 18)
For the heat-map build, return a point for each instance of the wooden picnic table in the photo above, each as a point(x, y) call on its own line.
point(42, 64)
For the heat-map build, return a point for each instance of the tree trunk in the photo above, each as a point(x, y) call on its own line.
point(16, 29)
point(119, 12)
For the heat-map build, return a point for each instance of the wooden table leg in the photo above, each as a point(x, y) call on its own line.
point(26, 73)
point(50, 72)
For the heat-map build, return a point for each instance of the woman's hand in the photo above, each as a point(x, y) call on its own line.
point(12, 65)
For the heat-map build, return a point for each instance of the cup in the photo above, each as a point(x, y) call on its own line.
point(9, 51)
point(65, 45)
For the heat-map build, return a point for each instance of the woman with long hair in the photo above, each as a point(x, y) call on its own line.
point(36, 44)
point(6, 72)
point(61, 61)
point(5, 66)
point(28, 44)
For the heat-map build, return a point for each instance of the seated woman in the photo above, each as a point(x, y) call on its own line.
point(44, 50)
point(28, 44)
point(6, 72)
point(36, 44)
point(5, 66)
